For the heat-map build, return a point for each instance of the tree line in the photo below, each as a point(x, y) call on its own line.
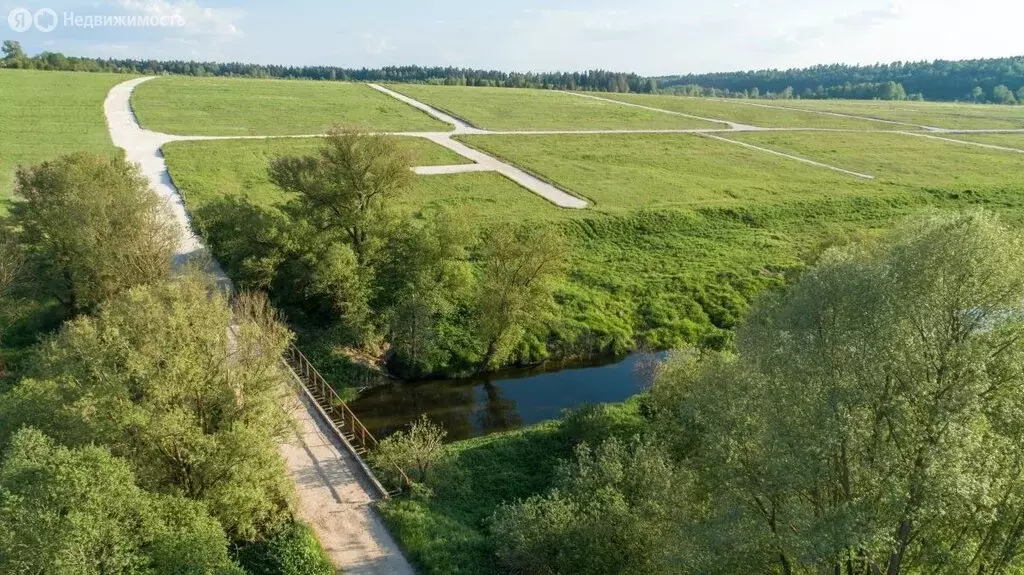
point(981, 80)
point(995, 80)
point(591, 80)
point(137, 435)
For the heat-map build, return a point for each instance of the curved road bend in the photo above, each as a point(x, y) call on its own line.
point(332, 497)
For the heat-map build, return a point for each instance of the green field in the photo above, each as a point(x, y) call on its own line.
point(1006, 140)
point(633, 171)
point(521, 109)
point(46, 114)
point(243, 107)
point(746, 113)
point(208, 170)
point(684, 231)
point(905, 161)
point(935, 114)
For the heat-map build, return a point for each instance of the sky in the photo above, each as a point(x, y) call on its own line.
point(650, 37)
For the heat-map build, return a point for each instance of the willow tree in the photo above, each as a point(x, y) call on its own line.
point(873, 416)
point(92, 228)
point(345, 186)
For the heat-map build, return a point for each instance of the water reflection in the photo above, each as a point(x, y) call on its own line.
point(470, 408)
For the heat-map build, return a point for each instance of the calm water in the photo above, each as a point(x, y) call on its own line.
point(473, 407)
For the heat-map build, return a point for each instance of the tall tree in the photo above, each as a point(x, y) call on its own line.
point(520, 267)
point(12, 51)
point(872, 417)
point(92, 228)
point(423, 285)
point(346, 185)
point(1003, 95)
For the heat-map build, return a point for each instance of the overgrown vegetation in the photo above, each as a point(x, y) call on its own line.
point(140, 437)
point(444, 526)
point(788, 454)
point(427, 296)
point(684, 233)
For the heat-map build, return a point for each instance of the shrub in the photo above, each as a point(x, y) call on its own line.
point(294, 550)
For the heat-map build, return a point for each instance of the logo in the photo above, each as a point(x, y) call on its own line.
point(45, 20)
point(20, 20)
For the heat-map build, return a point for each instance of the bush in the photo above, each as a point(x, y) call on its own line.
point(414, 451)
point(292, 551)
point(614, 509)
point(594, 424)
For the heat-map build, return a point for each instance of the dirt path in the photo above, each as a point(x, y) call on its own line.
point(331, 495)
point(836, 114)
point(964, 142)
point(732, 125)
point(791, 157)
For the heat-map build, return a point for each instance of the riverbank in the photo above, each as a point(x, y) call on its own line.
point(506, 400)
point(444, 528)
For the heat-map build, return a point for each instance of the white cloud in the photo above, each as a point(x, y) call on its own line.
point(215, 23)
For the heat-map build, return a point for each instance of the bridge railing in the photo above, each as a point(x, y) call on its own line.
point(353, 432)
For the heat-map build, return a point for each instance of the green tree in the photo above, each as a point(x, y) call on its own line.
point(614, 509)
point(871, 418)
point(414, 451)
point(977, 94)
point(345, 186)
point(157, 378)
point(424, 284)
point(12, 51)
point(521, 265)
point(1020, 95)
point(92, 228)
point(12, 263)
point(1003, 95)
point(78, 511)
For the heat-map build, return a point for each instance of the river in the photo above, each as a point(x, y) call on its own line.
point(506, 400)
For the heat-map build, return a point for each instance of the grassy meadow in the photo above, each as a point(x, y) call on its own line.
point(522, 109)
point(935, 114)
point(747, 114)
point(1008, 140)
point(206, 171)
point(245, 107)
point(684, 232)
point(905, 161)
point(46, 114)
point(644, 171)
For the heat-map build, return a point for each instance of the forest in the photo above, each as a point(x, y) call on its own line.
point(997, 80)
point(963, 80)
